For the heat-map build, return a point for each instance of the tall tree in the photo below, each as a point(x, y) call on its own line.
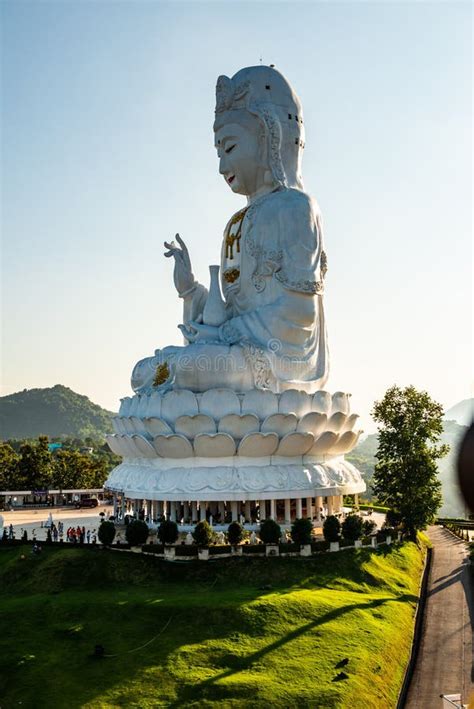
point(406, 474)
point(35, 467)
point(8, 467)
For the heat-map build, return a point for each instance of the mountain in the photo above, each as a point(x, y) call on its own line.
point(462, 412)
point(363, 457)
point(56, 411)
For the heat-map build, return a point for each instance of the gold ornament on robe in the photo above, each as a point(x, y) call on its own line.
point(231, 275)
point(231, 239)
point(161, 375)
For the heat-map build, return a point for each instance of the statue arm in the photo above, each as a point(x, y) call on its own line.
point(194, 302)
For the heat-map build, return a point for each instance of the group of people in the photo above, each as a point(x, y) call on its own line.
point(79, 535)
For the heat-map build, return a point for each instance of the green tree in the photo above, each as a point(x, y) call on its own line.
point(331, 529)
point(406, 475)
point(35, 467)
point(202, 534)
point(270, 531)
point(9, 460)
point(352, 527)
point(136, 532)
point(106, 533)
point(168, 532)
point(235, 533)
point(302, 531)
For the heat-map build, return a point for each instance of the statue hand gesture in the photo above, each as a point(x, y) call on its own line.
point(183, 275)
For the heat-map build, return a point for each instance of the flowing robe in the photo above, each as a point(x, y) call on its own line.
point(275, 333)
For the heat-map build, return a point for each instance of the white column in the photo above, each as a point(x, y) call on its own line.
point(318, 506)
point(173, 511)
point(299, 508)
point(287, 510)
point(248, 514)
point(263, 510)
point(185, 511)
point(356, 499)
point(309, 507)
point(136, 507)
point(273, 510)
point(202, 511)
point(234, 510)
point(194, 514)
point(330, 506)
point(115, 505)
point(221, 510)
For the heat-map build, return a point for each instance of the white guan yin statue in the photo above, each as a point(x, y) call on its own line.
point(237, 417)
point(269, 331)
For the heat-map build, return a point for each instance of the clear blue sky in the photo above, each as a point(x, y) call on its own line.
point(107, 150)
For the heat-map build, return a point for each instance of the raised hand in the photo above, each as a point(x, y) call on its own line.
point(183, 275)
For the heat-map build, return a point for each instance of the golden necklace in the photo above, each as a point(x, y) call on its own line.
point(231, 239)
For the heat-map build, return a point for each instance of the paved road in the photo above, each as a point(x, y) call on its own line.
point(445, 659)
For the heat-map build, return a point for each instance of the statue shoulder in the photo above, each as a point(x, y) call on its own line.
point(291, 204)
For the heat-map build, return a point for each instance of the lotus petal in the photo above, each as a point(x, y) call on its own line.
point(295, 444)
point(281, 424)
point(128, 425)
point(313, 422)
point(145, 448)
point(118, 424)
point(352, 423)
point(191, 426)
point(323, 444)
point(238, 426)
point(340, 402)
point(154, 405)
point(261, 402)
point(130, 449)
point(179, 402)
point(258, 445)
point(294, 401)
point(142, 410)
point(125, 404)
point(217, 403)
point(138, 425)
point(156, 426)
point(336, 422)
point(114, 444)
point(173, 446)
point(322, 402)
point(133, 411)
point(214, 445)
point(345, 443)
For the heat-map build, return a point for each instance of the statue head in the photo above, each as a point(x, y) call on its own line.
point(259, 126)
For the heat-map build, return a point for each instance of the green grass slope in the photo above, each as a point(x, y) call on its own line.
point(234, 633)
point(56, 411)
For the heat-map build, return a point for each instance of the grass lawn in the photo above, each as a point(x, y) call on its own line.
point(229, 633)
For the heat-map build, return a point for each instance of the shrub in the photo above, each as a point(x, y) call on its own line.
point(368, 527)
point(331, 529)
point(106, 533)
point(168, 532)
point(270, 531)
point(235, 533)
point(301, 531)
point(352, 527)
point(136, 532)
point(202, 534)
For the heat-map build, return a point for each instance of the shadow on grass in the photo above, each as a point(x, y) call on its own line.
point(123, 600)
point(198, 691)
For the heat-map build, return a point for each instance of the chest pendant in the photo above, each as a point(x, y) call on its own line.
point(232, 240)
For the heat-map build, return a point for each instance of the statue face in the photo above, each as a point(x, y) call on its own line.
point(240, 151)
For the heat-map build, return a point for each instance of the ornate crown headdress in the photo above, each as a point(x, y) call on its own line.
point(265, 93)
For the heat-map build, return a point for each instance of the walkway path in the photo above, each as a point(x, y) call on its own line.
point(444, 663)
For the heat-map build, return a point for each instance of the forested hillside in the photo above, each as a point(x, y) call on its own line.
point(53, 412)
